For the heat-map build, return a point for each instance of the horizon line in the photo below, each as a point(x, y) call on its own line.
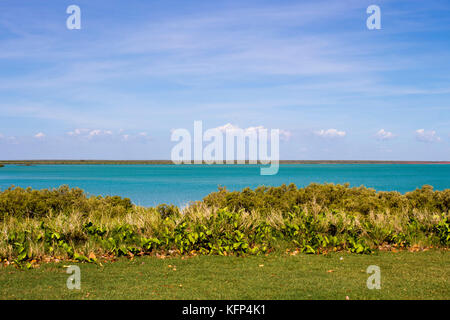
point(165, 161)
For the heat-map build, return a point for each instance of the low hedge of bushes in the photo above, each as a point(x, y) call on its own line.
point(66, 223)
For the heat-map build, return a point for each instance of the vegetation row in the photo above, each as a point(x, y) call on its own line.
point(65, 223)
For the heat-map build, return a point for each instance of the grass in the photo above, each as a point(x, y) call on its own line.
point(404, 275)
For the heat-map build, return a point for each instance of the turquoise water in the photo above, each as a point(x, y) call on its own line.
point(153, 184)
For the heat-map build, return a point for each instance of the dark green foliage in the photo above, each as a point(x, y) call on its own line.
point(19, 202)
point(330, 196)
point(315, 219)
point(116, 201)
point(167, 211)
point(443, 231)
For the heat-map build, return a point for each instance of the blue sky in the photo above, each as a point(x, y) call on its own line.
point(138, 69)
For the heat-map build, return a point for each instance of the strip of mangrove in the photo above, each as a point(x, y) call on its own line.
point(169, 162)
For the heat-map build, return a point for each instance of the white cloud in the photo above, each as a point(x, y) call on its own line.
point(384, 135)
point(119, 135)
point(15, 140)
point(90, 133)
point(284, 134)
point(95, 132)
point(331, 133)
point(39, 135)
point(427, 136)
point(77, 132)
point(227, 127)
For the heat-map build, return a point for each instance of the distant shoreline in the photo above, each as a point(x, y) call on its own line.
point(169, 162)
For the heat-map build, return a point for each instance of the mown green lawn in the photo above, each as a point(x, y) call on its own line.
point(404, 275)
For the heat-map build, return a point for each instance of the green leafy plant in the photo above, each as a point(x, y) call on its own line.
point(66, 223)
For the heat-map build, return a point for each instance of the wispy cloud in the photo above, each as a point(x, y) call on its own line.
point(427, 136)
point(111, 135)
point(285, 135)
point(303, 65)
point(384, 135)
point(330, 133)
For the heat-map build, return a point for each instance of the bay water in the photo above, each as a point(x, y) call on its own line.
point(150, 185)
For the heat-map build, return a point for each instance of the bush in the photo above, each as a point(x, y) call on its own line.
point(167, 211)
point(29, 203)
point(357, 200)
point(315, 219)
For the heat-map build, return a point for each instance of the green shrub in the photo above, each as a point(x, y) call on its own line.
point(167, 211)
point(29, 203)
point(357, 200)
point(315, 219)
